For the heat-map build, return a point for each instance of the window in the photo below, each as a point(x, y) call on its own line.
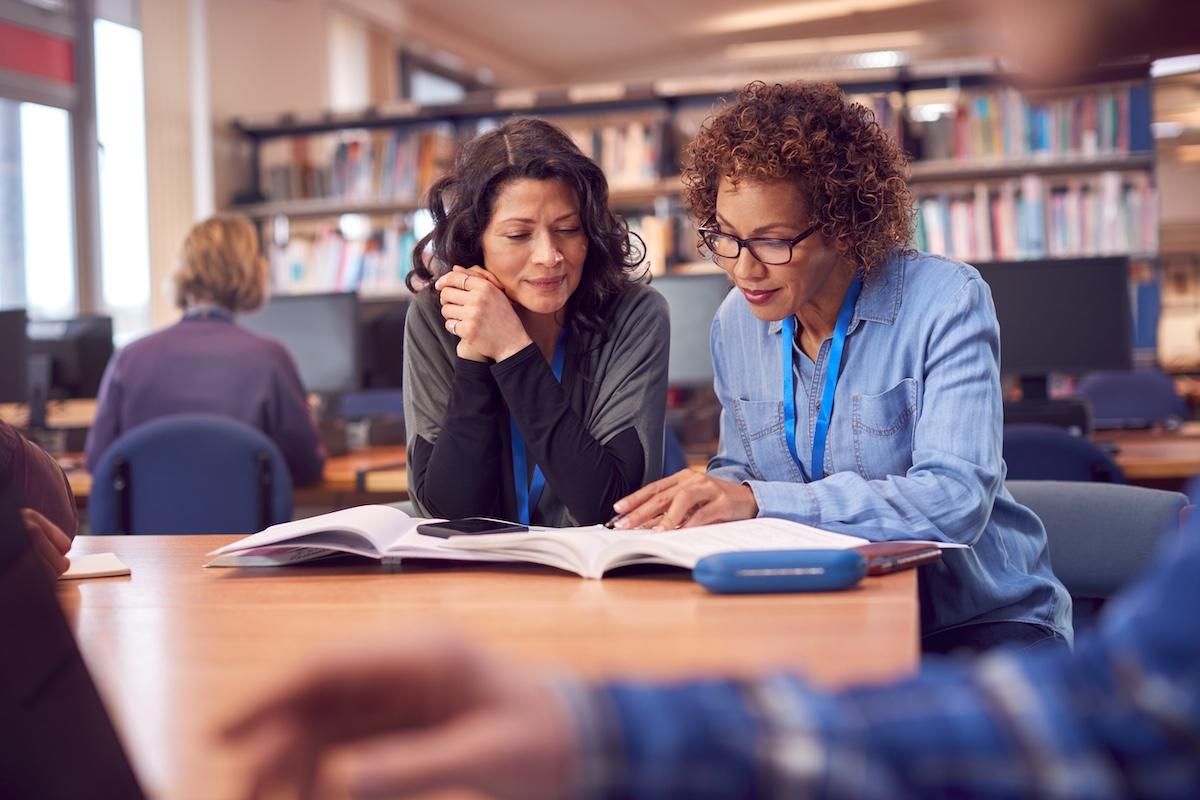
point(124, 217)
point(37, 221)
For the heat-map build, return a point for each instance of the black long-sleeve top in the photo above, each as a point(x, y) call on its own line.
point(597, 436)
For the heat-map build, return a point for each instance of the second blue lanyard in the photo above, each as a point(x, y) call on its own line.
point(528, 491)
point(832, 369)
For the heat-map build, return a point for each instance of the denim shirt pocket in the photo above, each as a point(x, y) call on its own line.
point(761, 428)
point(883, 430)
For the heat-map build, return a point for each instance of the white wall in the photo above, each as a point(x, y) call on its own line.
point(168, 143)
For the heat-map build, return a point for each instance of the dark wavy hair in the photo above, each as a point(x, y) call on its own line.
point(461, 204)
point(849, 171)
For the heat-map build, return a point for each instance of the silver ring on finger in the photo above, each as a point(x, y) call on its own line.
point(452, 326)
point(465, 279)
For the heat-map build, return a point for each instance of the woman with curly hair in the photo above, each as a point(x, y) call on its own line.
point(859, 381)
point(535, 369)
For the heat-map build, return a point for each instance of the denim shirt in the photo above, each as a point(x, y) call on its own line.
point(914, 444)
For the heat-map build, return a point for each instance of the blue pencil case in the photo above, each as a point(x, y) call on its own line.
point(780, 571)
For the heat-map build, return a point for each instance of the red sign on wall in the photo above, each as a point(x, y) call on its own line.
point(37, 54)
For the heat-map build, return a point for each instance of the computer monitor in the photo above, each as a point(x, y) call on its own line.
point(13, 384)
point(693, 300)
point(1061, 315)
point(56, 737)
point(383, 342)
point(321, 331)
point(77, 350)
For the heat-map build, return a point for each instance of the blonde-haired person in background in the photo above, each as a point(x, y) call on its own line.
point(206, 363)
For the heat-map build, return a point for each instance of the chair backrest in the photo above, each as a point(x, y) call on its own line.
point(1049, 453)
point(674, 458)
point(1100, 536)
point(1140, 397)
point(190, 473)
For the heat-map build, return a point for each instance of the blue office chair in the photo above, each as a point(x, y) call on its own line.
point(1132, 399)
point(1100, 536)
point(190, 473)
point(674, 458)
point(1048, 453)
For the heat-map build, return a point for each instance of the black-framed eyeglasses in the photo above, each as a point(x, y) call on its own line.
point(767, 251)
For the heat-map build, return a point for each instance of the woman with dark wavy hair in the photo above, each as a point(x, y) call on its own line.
point(535, 363)
point(859, 381)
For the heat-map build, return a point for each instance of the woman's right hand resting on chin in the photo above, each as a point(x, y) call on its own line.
point(479, 313)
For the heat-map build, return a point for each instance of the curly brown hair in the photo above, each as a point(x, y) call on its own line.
point(849, 171)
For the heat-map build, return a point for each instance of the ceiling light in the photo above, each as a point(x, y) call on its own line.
point(791, 13)
point(861, 43)
point(1178, 65)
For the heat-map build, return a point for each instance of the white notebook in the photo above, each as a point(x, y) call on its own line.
point(94, 565)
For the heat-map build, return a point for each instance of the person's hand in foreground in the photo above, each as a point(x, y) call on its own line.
point(684, 500)
point(428, 711)
point(48, 539)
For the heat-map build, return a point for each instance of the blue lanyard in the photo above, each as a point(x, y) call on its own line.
point(527, 492)
point(832, 369)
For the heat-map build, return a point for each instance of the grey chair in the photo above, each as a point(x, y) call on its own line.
point(1100, 534)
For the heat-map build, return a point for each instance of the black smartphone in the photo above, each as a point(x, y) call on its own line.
point(469, 526)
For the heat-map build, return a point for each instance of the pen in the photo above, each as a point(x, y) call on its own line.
point(612, 523)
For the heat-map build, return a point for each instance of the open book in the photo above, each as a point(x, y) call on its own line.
point(387, 533)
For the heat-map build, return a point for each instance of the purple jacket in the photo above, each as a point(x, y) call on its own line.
point(37, 479)
point(208, 365)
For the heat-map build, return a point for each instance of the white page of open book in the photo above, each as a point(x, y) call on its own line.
point(590, 551)
point(364, 530)
point(371, 531)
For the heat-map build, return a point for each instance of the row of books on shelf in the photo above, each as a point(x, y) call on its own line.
point(1111, 213)
point(1003, 123)
point(631, 154)
point(1017, 220)
point(328, 261)
point(357, 164)
point(401, 164)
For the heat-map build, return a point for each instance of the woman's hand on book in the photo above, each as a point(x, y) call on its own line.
point(479, 313)
point(684, 500)
point(425, 712)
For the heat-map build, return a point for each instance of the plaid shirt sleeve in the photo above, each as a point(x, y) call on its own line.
point(1119, 717)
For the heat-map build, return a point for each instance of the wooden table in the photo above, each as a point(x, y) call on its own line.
point(1157, 458)
point(177, 649)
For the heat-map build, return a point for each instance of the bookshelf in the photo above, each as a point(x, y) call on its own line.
point(999, 174)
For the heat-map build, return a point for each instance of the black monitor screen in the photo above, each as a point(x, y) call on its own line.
point(383, 342)
point(693, 300)
point(1068, 315)
point(321, 331)
point(78, 349)
point(12, 356)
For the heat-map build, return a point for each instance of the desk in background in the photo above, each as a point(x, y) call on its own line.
point(1155, 458)
point(373, 475)
point(177, 649)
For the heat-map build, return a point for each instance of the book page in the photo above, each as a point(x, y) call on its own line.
point(591, 551)
point(687, 546)
point(365, 530)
